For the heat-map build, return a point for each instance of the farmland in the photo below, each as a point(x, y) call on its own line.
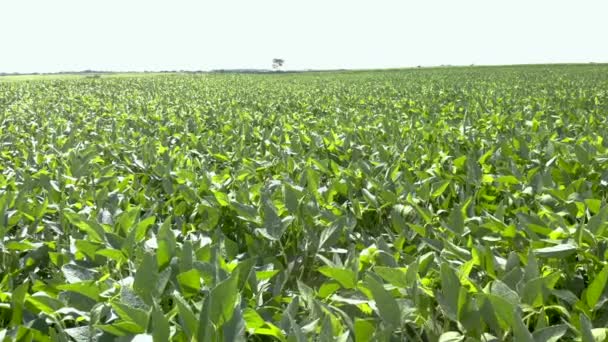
point(453, 204)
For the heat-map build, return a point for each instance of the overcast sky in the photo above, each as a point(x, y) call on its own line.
point(120, 35)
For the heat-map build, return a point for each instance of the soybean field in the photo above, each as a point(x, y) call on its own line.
point(429, 204)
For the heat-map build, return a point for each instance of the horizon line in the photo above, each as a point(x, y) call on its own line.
point(270, 70)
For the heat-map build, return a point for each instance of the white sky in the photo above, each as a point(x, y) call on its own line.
point(120, 35)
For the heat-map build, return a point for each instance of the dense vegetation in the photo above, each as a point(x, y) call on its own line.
point(442, 204)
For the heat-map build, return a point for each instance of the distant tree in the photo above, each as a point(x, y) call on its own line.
point(277, 63)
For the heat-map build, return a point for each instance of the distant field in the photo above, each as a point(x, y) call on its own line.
point(42, 77)
point(32, 77)
point(430, 204)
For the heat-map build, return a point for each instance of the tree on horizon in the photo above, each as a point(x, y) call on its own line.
point(277, 63)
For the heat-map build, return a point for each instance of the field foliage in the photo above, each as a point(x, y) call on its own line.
point(449, 204)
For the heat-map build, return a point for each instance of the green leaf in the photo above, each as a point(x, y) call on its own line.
point(500, 289)
point(327, 332)
point(189, 282)
point(272, 224)
point(596, 288)
point(79, 333)
point(520, 330)
point(145, 278)
point(252, 319)
point(507, 180)
point(244, 271)
point(586, 329)
point(449, 296)
point(270, 330)
point(532, 293)
point(234, 330)
point(557, 251)
point(160, 326)
point(207, 331)
point(502, 309)
point(210, 216)
point(222, 300)
point(88, 289)
point(166, 244)
point(399, 215)
point(531, 269)
point(17, 301)
point(256, 325)
point(121, 328)
point(42, 302)
point(142, 227)
point(395, 276)
point(94, 231)
point(387, 305)
point(289, 323)
point(364, 330)
point(370, 198)
point(451, 336)
point(440, 187)
point(291, 196)
point(188, 320)
point(456, 220)
point(76, 274)
point(423, 212)
point(597, 223)
point(594, 205)
point(113, 254)
point(138, 317)
point(126, 220)
point(550, 334)
point(345, 277)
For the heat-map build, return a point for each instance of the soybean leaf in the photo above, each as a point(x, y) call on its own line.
point(387, 306)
